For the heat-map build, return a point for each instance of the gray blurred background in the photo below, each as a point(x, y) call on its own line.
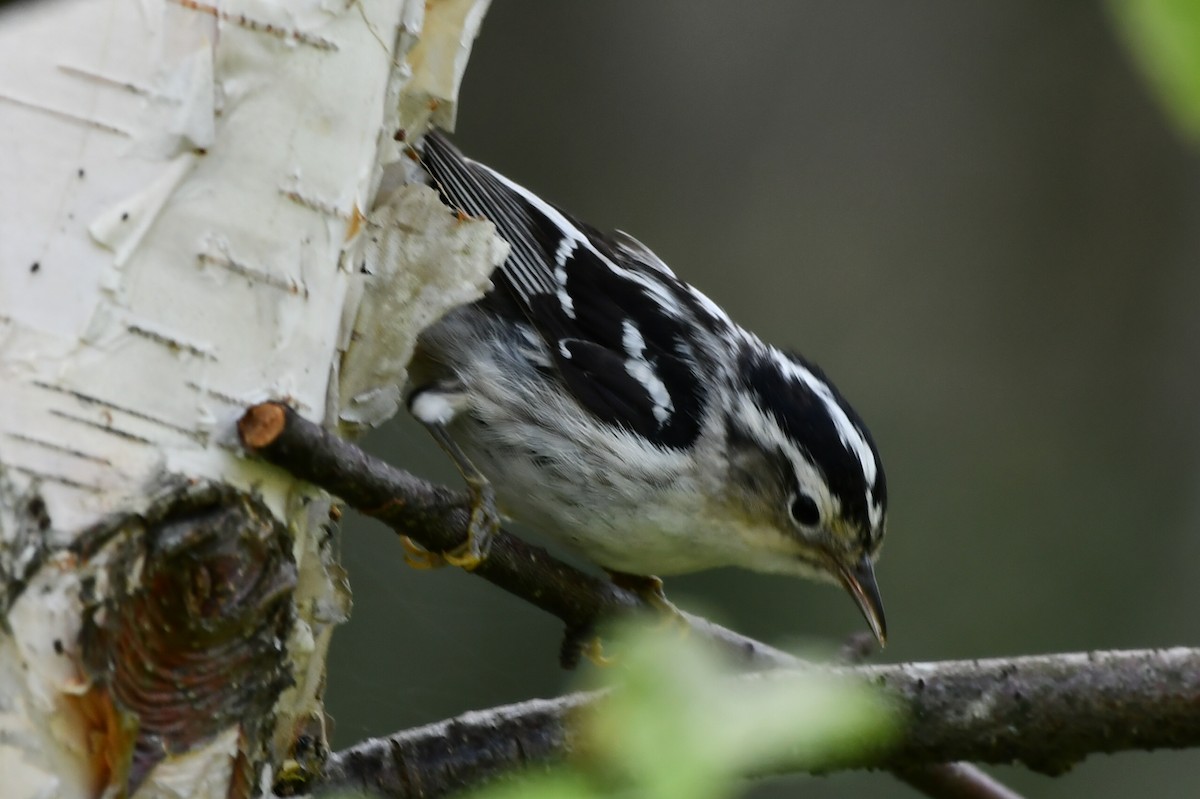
point(976, 218)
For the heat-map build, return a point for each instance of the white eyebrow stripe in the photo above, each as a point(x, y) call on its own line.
point(848, 432)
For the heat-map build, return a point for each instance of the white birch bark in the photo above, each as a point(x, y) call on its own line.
point(189, 224)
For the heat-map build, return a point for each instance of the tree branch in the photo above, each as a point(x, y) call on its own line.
point(1047, 712)
point(462, 752)
point(436, 518)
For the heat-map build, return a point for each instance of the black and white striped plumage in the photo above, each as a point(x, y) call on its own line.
point(615, 407)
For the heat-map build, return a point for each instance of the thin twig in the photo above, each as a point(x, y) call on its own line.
point(436, 518)
point(954, 779)
point(1048, 712)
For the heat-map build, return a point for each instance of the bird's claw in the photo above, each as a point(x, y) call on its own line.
point(418, 557)
point(650, 590)
point(593, 650)
point(481, 529)
point(583, 642)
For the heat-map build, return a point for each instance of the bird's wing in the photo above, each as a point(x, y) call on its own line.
point(619, 327)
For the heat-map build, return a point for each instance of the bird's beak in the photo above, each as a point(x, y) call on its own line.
point(859, 580)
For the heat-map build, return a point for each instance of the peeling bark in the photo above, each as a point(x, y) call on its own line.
point(209, 209)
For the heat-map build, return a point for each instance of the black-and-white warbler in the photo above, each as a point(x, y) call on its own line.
point(616, 408)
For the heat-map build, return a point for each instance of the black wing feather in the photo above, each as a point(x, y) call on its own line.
point(604, 276)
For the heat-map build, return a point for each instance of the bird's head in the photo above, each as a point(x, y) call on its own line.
point(805, 477)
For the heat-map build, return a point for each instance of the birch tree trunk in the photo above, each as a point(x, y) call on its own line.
point(201, 206)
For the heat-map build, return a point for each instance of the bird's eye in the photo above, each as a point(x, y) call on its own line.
point(805, 511)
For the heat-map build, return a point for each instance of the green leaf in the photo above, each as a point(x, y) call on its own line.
point(677, 724)
point(1164, 36)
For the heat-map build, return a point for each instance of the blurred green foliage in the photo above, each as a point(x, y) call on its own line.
point(1165, 38)
point(679, 725)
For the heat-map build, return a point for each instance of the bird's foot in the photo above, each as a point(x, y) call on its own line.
point(650, 589)
point(485, 518)
point(593, 650)
point(583, 642)
point(481, 529)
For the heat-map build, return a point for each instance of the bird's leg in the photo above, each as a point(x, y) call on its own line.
point(435, 408)
point(646, 586)
point(485, 519)
point(583, 641)
point(650, 589)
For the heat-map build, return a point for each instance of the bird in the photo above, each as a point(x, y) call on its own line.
point(598, 398)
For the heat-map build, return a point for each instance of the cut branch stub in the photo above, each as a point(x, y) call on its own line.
point(187, 642)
